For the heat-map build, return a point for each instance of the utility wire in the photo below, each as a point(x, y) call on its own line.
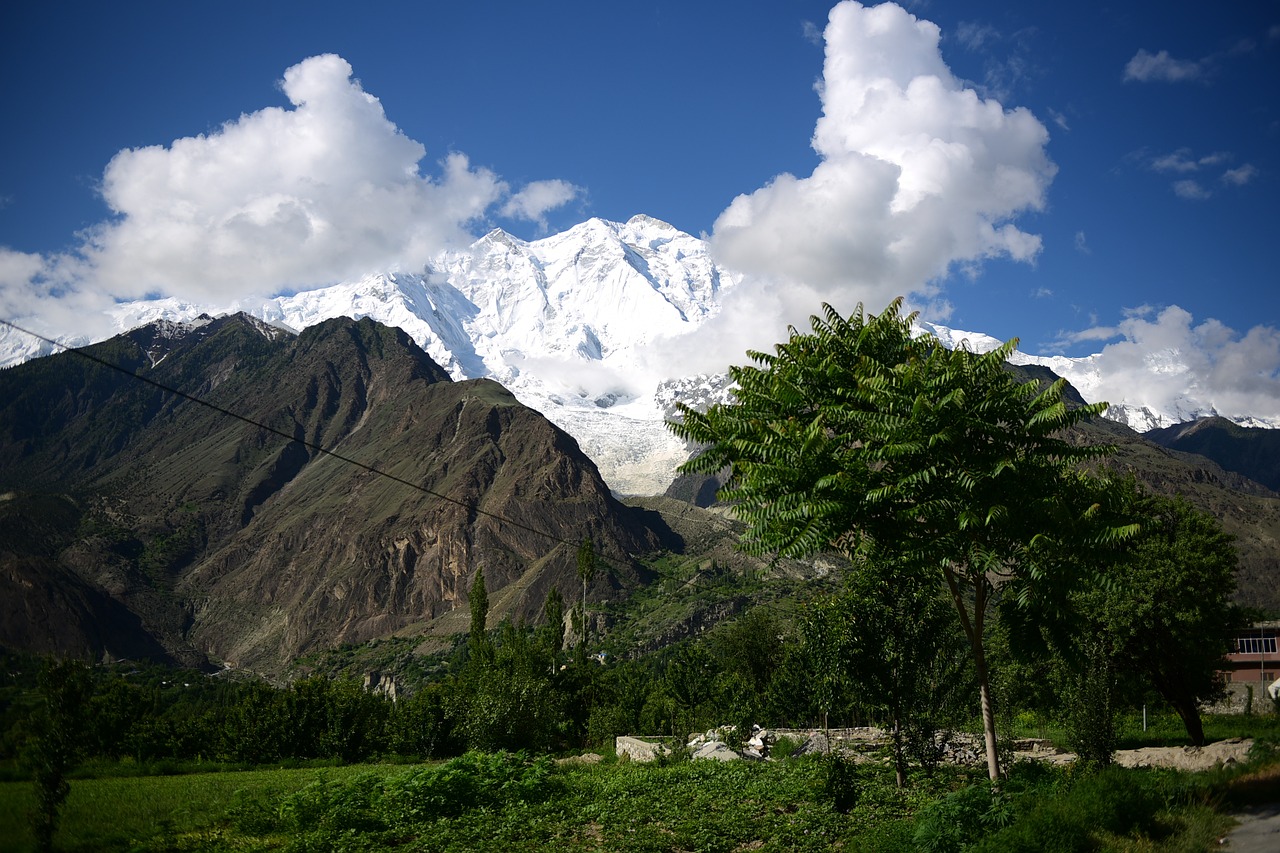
point(308, 444)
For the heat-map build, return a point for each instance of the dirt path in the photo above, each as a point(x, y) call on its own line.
point(1258, 832)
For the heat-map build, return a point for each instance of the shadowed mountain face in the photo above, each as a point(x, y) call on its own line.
point(141, 523)
point(1250, 451)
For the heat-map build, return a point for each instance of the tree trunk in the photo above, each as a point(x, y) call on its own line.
point(973, 630)
point(899, 753)
point(988, 713)
point(1188, 709)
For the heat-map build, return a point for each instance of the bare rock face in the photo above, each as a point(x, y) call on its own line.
point(326, 488)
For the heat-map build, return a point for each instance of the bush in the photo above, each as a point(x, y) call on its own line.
point(476, 780)
point(339, 806)
point(841, 783)
point(955, 820)
point(1115, 801)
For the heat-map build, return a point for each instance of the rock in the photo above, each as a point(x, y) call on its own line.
point(717, 751)
point(760, 744)
point(816, 744)
point(636, 749)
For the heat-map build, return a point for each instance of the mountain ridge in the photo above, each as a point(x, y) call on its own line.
point(218, 539)
point(563, 322)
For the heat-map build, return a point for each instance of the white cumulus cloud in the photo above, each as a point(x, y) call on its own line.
point(918, 176)
point(1168, 362)
point(537, 199)
point(276, 200)
point(1190, 189)
point(1241, 176)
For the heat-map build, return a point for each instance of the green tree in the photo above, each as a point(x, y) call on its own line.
point(899, 647)
point(752, 647)
point(255, 728)
point(822, 655)
point(477, 640)
point(689, 680)
point(510, 703)
point(1166, 611)
point(586, 573)
point(1089, 702)
point(553, 625)
point(55, 739)
point(861, 437)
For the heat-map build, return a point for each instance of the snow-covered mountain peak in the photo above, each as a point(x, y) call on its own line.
point(953, 339)
point(563, 321)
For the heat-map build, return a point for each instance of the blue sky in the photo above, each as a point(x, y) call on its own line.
point(1145, 213)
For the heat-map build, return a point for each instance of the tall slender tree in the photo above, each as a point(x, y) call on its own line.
point(586, 573)
point(477, 640)
point(861, 437)
point(553, 625)
point(55, 740)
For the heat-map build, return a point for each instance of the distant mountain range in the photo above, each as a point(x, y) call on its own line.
point(211, 526)
point(563, 323)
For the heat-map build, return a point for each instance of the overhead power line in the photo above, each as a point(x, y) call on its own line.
point(308, 444)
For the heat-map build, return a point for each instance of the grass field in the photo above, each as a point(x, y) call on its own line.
point(118, 813)
point(493, 803)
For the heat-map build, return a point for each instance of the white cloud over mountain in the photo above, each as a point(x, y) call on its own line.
point(918, 175)
point(1167, 361)
point(275, 200)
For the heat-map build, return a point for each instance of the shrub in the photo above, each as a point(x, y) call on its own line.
point(475, 780)
point(955, 820)
point(1115, 801)
point(841, 784)
point(340, 806)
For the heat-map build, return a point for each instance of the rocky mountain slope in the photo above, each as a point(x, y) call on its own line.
point(138, 522)
point(1252, 452)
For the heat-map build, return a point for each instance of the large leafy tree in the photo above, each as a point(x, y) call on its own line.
point(1167, 615)
point(904, 655)
point(860, 437)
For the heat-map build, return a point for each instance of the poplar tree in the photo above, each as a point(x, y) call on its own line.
point(477, 641)
point(586, 572)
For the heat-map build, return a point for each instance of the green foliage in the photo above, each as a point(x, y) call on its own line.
point(553, 624)
point(1165, 613)
point(474, 781)
point(952, 822)
point(903, 651)
point(689, 680)
point(842, 783)
point(507, 802)
point(418, 725)
point(55, 741)
point(1075, 817)
point(1089, 701)
point(331, 814)
point(586, 573)
point(477, 642)
point(859, 430)
point(859, 437)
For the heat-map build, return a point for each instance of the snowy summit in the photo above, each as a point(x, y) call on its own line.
point(569, 323)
